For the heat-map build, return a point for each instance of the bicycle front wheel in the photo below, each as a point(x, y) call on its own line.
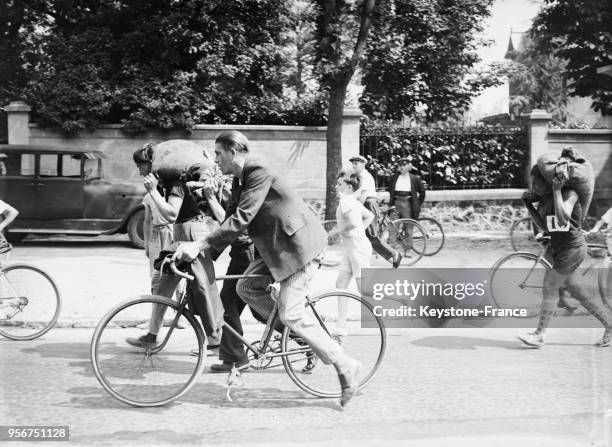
point(409, 238)
point(346, 320)
point(522, 236)
point(516, 282)
point(433, 233)
point(30, 302)
point(154, 374)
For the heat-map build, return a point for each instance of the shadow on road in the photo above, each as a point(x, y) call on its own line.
point(207, 394)
point(454, 342)
point(210, 391)
point(60, 350)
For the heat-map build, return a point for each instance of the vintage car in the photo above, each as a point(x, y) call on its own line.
point(63, 190)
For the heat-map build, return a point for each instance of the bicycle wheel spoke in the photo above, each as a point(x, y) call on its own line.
point(145, 376)
point(31, 302)
point(352, 326)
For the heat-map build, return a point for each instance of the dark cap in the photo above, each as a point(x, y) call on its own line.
point(404, 161)
point(358, 158)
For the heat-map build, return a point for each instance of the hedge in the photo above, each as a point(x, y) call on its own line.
point(448, 158)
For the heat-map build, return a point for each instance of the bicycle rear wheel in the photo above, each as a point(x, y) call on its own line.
point(516, 282)
point(522, 236)
point(364, 338)
point(30, 302)
point(434, 234)
point(407, 237)
point(154, 375)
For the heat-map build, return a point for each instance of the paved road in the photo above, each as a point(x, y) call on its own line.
point(437, 387)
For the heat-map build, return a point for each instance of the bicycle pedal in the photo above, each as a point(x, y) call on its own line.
point(234, 378)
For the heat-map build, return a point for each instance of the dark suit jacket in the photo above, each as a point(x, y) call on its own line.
point(284, 230)
point(418, 193)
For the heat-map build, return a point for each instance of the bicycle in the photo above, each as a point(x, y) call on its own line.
point(404, 235)
point(523, 236)
point(164, 372)
point(434, 234)
point(30, 302)
point(515, 280)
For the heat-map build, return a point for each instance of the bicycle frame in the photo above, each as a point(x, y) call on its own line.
point(265, 337)
point(542, 258)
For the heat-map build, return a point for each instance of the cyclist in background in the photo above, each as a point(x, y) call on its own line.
point(560, 213)
point(353, 218)
point(366, 194)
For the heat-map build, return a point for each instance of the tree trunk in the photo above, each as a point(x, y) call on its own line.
point(334, 146)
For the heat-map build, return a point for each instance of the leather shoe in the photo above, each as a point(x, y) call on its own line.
point(349, 382)
point(146, 341)
point(226, 367)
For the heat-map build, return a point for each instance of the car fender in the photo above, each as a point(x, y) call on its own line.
point(122, 227)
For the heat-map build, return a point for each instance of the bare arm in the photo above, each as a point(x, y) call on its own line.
point(564, 205)
point(147, 229)
point(10, 214)
point(214, 205)
point(367, 216)
point(528, 199)
point(170, 209)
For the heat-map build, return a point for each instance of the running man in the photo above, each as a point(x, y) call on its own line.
point(561, 215)
point(367, 195)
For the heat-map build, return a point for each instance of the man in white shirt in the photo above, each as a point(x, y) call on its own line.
point(367, 195)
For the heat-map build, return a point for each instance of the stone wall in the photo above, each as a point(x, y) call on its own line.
point(595, 144)
point(300, 153)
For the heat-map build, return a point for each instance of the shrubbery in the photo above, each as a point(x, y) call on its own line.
point(448, 158)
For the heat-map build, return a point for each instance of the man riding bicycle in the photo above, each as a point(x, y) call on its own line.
point(289, 238)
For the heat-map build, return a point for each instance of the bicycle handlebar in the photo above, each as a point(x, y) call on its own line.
point(176, 271)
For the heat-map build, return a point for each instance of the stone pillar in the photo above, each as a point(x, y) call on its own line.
point(538, 136)
point(18, 116)
point(350, 134)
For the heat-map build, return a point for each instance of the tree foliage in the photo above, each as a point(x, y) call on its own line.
point(579, 32)
point(537, 80)
point(422, 54)
point(152, 63)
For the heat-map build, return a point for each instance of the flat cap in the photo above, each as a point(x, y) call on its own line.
point(358, 158)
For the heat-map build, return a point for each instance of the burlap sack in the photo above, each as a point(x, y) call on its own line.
point(574, 169)
point(172, 159)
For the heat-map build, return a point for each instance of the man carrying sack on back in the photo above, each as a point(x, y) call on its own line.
point(177, 162)
point(563, 188)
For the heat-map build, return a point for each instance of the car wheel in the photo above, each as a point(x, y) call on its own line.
point(135, 229)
